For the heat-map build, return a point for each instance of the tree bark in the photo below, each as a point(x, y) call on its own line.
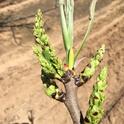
point(71, 102)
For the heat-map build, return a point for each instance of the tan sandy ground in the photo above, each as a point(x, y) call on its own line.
point(21, 91)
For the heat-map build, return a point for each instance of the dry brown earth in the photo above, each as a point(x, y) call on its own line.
point(21, 90)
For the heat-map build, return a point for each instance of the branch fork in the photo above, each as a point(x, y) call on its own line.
point(70, 100)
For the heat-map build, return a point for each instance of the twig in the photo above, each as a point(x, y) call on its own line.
point(31, 117)
point(71, 101)
point(14, 36)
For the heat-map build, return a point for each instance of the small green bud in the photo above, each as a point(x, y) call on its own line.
point(88, 72)
point(50, 90)
point(103, 74)
point(94, 62)
point(44, 39)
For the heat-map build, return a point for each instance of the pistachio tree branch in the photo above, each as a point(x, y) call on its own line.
point(71, 100)
point(52, 68)
point(91, 20)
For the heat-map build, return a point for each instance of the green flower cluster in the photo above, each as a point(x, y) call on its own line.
point(50, 63)
point(94, 62)
point(52, 67)
point(95, 111)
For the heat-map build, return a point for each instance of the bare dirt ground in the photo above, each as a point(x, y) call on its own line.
point(21, 93)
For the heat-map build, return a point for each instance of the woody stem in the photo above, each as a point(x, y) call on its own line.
point(71, 102)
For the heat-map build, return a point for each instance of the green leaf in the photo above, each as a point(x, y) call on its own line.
point(66, 12)
point(92, 14)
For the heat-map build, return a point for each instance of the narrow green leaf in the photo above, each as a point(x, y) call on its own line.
point(66, 12)
point(92, 13)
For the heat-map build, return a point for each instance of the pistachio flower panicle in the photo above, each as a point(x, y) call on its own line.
point(90, 69)
point(51, 65)
point(95, 111)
